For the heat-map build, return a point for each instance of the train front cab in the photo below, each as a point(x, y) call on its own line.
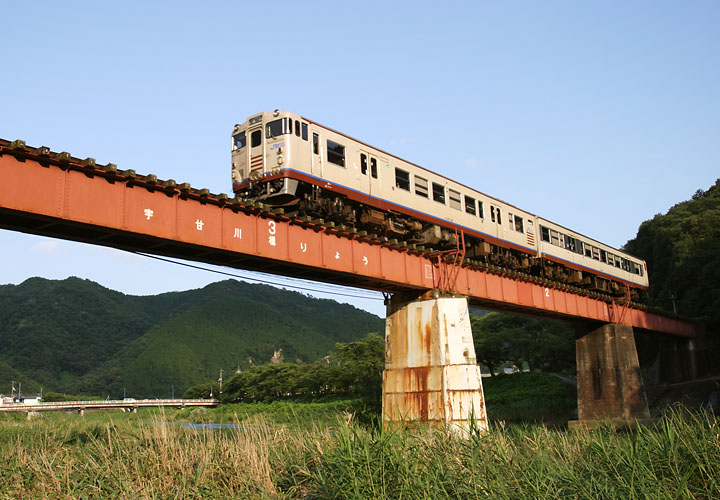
point(262, 148)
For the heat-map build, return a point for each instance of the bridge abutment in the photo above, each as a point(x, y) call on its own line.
point(431, 374)
point(609, 381)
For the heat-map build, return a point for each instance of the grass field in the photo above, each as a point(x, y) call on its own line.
point(137, 456)
point(321, 451)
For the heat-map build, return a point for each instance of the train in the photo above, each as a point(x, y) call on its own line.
point(287, 161)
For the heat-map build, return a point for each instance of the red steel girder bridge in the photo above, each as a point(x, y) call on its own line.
point(58, 195)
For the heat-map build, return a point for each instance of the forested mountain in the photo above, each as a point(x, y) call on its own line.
point(682, 250)
point(77, 336)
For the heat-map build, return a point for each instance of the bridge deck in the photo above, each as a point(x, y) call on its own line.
point(54, 194)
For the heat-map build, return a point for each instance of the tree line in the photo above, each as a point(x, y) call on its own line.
point(354, 369)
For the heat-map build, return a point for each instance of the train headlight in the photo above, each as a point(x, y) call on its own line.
point(280, 160)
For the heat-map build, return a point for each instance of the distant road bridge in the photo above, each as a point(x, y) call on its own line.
point(124, 404)
point(58, 195)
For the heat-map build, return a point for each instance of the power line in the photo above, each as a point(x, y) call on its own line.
point(249, 278)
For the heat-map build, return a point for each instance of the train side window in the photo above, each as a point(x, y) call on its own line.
point(304, 132)
point(470, 205)
point(499, 219)
point(480, 210)
point(492, 213)
point(421, 187)
point(454, 199)
point(335, 153)
point(316, 144)
point(544, 234)
point(373, 168)
point(519, 225)
point(438, 192)
point(596, 253)
point(363, 164)
point(256, 138)
point(510, 220)
point(588, 251)
point(402, 179)
point(555, 238)
point(573, 244)
point(297, 128)
point(603, 256)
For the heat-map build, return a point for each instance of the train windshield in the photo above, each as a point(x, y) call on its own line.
point(239, 140)
point(278, 127)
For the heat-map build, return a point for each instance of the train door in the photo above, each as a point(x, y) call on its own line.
point(375, 174)
point(317, 164)
point(257, 151)
point(497, 218)
point(369, 173)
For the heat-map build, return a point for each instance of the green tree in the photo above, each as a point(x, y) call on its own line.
point(682, 251)
point(201, 391)
point(360, 365)
point(541, 344)
point(352, 369)
point(489, 342)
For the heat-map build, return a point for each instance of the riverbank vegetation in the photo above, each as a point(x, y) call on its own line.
point(142, 456)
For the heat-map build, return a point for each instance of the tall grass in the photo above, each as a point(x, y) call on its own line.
point(136, 457)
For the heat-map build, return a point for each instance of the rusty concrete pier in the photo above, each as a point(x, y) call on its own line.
point(610, 385)
point(431, 373)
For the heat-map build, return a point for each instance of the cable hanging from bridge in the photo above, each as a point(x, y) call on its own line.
point(266, 282)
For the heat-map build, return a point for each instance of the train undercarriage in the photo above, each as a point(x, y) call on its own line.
point(305, 200)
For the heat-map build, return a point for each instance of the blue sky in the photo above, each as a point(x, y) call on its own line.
point(594, 115)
